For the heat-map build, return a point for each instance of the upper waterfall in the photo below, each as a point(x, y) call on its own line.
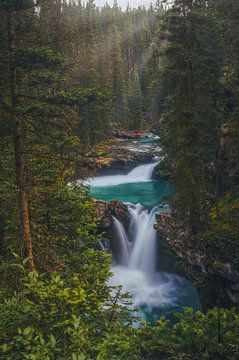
point(139, 174)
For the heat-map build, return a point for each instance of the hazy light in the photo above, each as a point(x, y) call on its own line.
point(123, 3)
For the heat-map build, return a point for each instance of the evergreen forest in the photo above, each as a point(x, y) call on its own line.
point(89, 92)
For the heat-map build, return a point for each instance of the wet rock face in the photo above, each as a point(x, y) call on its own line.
point(223, 277)
point(106, 210)
point(102, 212)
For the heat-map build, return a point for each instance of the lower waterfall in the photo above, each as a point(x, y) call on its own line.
point(136, 247)
point(143, 256)
point(135, 262)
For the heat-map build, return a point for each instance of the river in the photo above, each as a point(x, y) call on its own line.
point(136, 258)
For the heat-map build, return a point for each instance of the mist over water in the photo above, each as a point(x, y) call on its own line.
point(124, 3)
point(156, 294)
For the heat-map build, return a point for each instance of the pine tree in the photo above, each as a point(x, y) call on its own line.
point(191, 117)
point(10, 14)
point(118, 75)
point(227, 13)
point(41, 106)
point(135, 105)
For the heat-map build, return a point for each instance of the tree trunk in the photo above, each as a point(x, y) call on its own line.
point(24, 225)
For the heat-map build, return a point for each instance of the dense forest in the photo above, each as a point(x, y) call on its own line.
point(73, 75)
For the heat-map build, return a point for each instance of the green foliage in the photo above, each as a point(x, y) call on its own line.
point(213, 335)
point(221, 239)
point(190, 115)
point(60, 316)
point(57, 316)
point(16, 5)
point(163, 170)
point(42, 57)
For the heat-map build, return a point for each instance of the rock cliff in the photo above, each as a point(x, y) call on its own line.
point(217, 281)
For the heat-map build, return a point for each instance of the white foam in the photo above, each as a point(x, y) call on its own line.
point(151, 289)
point(141, 173)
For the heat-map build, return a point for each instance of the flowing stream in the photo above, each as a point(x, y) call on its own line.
point(136, 250)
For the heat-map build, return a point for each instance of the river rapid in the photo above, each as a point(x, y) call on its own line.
point(136, 258)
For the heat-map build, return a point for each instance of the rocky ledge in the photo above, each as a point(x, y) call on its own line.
point(117, 158)
point(208, 273)
point(105, 210)
point(134, 134)
point(120, 158)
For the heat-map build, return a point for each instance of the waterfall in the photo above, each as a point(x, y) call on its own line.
point(134, 251)
point(140, 174)
point(136, 248)
point(120, 245)
point(143, 256)
point(155, 293)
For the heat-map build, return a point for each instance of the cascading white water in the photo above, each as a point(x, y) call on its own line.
point(143, 256)
point(137, 248)
point(140, 174)
point(135, 267)
point(157, 290)
point(122, 247)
